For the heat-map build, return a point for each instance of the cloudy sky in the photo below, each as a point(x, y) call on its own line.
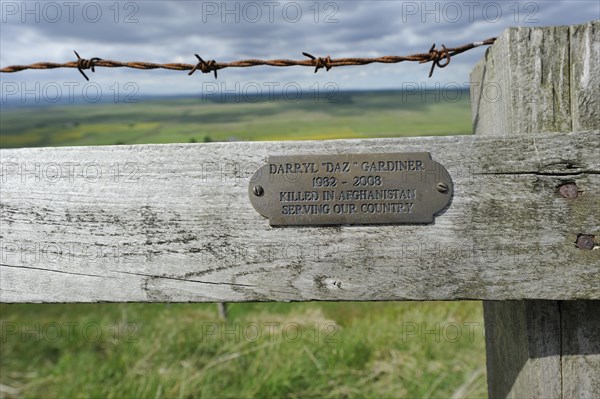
point(229, 30)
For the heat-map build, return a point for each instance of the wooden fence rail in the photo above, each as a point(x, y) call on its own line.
point(174, 223)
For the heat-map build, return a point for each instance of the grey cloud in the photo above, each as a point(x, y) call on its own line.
point(176, 30)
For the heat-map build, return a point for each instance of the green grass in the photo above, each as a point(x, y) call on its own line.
point(320, 350)
point(353, 115)
point(347, 349)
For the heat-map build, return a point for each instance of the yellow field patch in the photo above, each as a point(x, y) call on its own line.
point(20, 140)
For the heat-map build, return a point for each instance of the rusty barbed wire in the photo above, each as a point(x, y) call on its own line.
point(438, 57)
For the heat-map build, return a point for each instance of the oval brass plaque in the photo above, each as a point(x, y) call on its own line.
point(350, 189)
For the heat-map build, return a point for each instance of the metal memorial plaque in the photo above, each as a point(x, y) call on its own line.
point(407, 188)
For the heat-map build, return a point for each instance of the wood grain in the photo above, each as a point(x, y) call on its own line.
point(549, 81)
point(538, 80)
point(164, 223)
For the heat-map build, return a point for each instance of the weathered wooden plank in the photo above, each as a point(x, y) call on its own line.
point(543, 79)
point(580, 349)
point(548, 79)
point(522, 353)
point(174, 223)
point(543, 349)
point(584, 43)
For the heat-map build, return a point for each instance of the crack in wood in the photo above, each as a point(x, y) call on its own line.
point(53, 271)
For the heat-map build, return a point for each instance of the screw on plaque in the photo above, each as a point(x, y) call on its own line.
point(258, 191)
point(442, 187)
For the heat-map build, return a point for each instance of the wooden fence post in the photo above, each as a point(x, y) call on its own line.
point(537, 80)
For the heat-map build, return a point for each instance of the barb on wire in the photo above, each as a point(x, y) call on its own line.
point(204, 66)
point(438, 57)
point(320, 62)
point(86, 64)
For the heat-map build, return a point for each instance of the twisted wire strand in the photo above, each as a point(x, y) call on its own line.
point(438, 57)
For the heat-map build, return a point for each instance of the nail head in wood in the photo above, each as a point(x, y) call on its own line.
point(585, 241)
point(569, 190)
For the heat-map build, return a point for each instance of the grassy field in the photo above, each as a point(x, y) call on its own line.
point(349, 115)
point(300, 350)
point(296, 350)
